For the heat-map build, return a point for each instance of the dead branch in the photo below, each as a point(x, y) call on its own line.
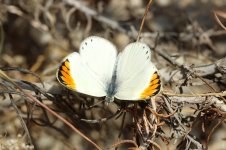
point(30, 98)
point(210, 100)
point(91, 12)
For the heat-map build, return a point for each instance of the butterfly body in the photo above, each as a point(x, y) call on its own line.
point(111, 89)
point(98, 71)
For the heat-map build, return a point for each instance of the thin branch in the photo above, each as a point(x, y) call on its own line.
point(222, 14)
point(102, 119)
point(23, 124)
point(123, 142)
point(91, 12)
point(143, 19)
point(33, 99)
point(200, 100)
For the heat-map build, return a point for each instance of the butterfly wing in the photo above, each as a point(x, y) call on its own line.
point(88, 72)
point(137, 77)
point(100, 56)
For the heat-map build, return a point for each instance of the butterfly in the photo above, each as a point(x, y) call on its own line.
point(97, 70)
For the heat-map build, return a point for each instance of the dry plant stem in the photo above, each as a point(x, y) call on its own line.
point(199, 146)
point(122, 124)
point(198, 70)
point(88, 11)
point(155, 144)
point(102, 119)
point(154, 118)
point(207, 84)
point(178, 98)
point(35, 23)
point(192, 95)
point(121, 127)
point(62, 119)
point(38, 63)
point(67, 19)
point(1, 38)
point(109, 22)
point(171, 110)
point(222, 14)
point(23, 70)
point(187, 68)
point(160, 115)
point(113, 23)
point(146, 123)
point(213, 129)
point(33, 99)
point(123, 142)
point(199, 100)
point(143, 19)
point(21, 119)
point(150, 129)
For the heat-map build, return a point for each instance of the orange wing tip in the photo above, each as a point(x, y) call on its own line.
point(155, 81)
point(65, 69)
point(153, 87)
point(64, 75)
point(67, 64)
point(155, 76)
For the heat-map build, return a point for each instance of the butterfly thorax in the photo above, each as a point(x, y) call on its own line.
point(112, 88)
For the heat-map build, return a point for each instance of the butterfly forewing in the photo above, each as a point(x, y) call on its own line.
point(90, 71)
point(153, 87)
point(137, 76)
point(100, 56)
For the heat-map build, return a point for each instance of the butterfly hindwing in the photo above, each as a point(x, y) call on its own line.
point(137, 77)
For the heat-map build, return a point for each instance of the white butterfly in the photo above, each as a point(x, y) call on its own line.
point(98, 71)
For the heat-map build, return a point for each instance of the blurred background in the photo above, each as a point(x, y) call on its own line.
point(38, 34)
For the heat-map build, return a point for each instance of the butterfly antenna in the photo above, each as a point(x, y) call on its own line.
point(143, 19)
